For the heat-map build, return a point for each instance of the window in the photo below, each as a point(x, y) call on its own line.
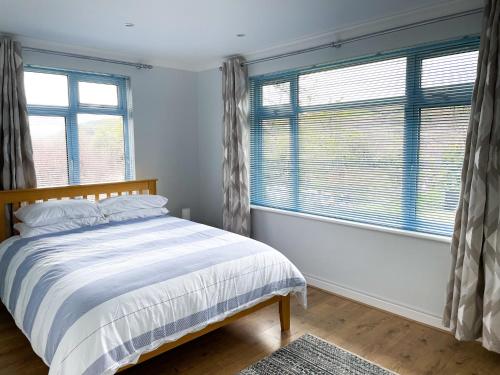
point(377, 140)
point(79, 126)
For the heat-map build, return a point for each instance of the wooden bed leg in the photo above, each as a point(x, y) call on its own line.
point(285, 313)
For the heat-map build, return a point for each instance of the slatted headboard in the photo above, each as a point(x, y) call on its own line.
point(17, 198)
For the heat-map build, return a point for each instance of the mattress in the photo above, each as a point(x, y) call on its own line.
point(92, 300)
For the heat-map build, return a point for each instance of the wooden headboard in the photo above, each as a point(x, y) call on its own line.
point(18, 198)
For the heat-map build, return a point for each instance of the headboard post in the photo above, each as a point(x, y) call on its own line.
point(16, 197)
point(3, 219)
point(152, 187)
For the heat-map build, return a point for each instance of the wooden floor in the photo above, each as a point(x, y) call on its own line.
point(398, 344)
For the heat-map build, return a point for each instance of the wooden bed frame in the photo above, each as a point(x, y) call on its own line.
point(16, 198)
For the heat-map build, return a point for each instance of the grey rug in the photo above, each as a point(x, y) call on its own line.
point(311, 355)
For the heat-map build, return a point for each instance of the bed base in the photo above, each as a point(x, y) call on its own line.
point(15, 198)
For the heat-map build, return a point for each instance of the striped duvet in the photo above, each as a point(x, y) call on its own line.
point(92, 300)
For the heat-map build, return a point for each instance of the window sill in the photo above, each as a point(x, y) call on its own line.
point(401, 232)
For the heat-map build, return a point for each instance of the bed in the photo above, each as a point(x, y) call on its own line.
point(97, 300)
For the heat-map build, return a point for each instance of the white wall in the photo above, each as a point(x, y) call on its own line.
point(165, 124)
point(404, 274)
point(210, 146)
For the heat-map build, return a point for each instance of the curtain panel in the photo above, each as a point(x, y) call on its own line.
point(16, 157)
point(473, 302)
point(236, 143)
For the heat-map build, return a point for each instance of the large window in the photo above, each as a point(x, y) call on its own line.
point(378, 140)
point(79, 126)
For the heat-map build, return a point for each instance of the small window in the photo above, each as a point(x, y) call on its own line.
point(98, 93)
point(46, 89)
point(276, 94)
point(101, 144)
point(276, 161)
point(377, 80)
point(455, 69)
point(48, 137)
point(442, 144)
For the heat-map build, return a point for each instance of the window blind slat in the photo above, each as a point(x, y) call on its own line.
point(377, 140)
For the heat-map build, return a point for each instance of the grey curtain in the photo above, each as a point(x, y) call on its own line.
point(16, 157)
point(236, 205)
point(473, 303)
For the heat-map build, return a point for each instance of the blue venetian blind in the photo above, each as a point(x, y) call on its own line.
point(377, 140)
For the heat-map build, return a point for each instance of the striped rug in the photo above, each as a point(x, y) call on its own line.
point(311, 355)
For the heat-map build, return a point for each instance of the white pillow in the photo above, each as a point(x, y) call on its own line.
point(28, 231)
point(136, 214)
point(52, 212)
point(123, 203)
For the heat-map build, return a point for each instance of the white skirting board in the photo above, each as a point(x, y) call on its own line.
point(395, 308)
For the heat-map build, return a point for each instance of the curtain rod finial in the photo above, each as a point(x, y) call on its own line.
point(144, 66)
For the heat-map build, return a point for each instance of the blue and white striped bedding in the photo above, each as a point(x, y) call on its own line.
point(92, 300)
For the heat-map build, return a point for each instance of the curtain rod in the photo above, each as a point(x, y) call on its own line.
point(339, 43)
point(86, 57)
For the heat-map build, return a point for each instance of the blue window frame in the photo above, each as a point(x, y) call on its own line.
point(377, 139)
point(70, 103)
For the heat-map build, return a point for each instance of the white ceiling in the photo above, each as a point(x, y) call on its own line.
point(197, 34)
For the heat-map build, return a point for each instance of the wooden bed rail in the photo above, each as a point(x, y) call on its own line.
point(284, 314)
point(18, 198)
